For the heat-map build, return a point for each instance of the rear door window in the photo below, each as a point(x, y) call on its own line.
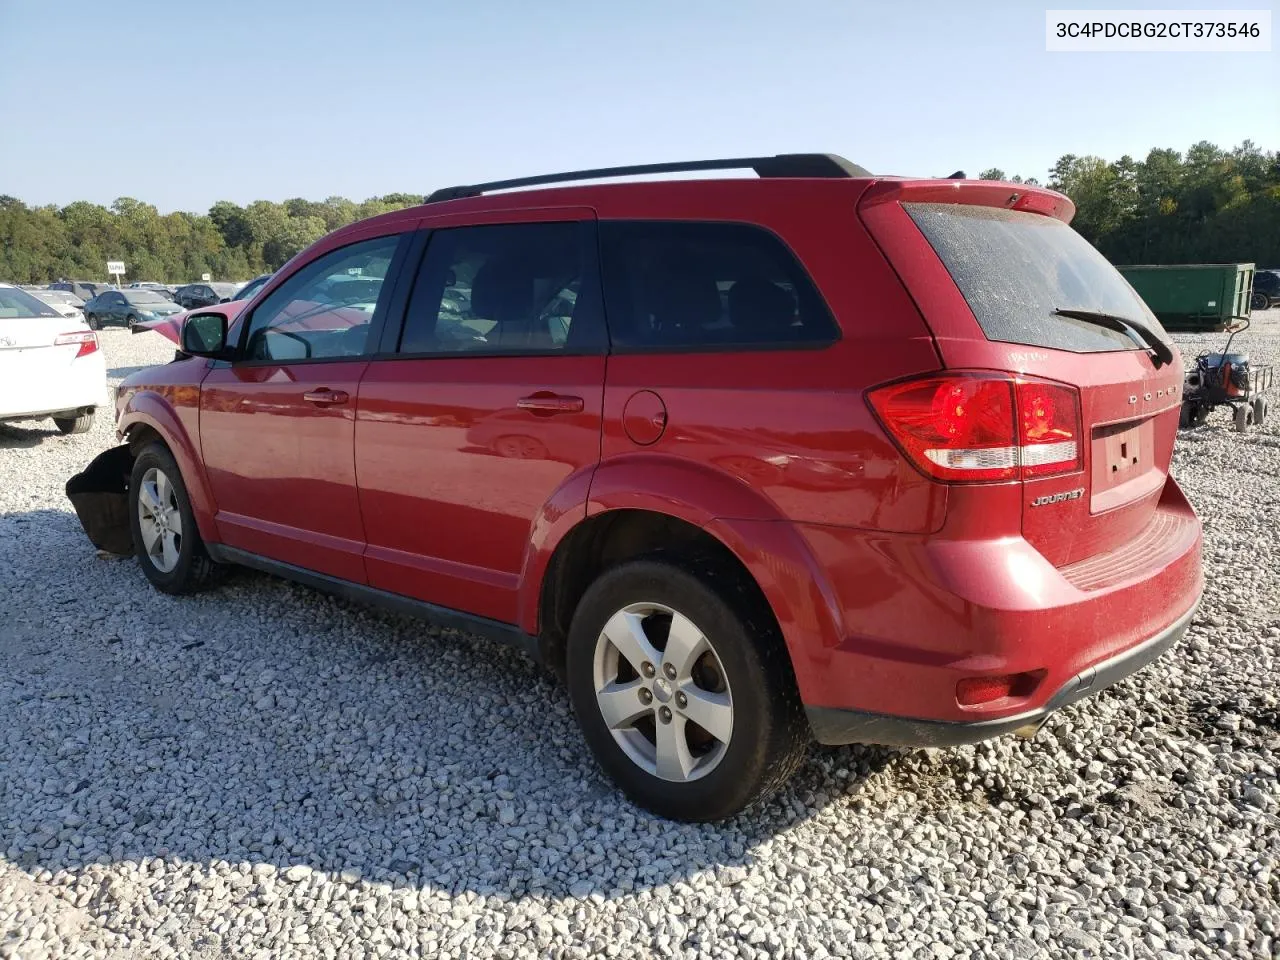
point(707, 286)
point(1016, 268)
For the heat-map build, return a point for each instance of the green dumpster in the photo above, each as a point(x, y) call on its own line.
point(1193, 296)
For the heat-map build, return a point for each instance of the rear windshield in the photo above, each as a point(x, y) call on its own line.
point(1016, 268)
point(19, 303)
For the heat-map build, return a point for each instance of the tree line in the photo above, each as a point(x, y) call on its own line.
point(39, 244)
point(1207, 205)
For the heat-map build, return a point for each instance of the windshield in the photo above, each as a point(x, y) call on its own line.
point(145, 298)
point(18, 303)
point(250, 288)
point(1015, 268)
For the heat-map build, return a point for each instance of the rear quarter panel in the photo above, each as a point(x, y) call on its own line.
point(790, 425)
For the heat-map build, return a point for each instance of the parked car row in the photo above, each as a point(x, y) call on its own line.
point(67, 296)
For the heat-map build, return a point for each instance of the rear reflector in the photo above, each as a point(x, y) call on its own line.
point(973, 691)
point(983, 427)
point(87, 339)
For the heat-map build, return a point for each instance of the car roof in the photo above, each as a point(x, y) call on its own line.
point(743, 199)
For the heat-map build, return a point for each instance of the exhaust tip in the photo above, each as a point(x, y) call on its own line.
point(1028, 730)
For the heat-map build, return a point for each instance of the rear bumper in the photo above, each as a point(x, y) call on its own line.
point(838, 726)
point(28, 395)
point(883, 628)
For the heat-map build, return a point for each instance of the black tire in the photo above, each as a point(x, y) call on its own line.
point(769, 732)
point(1243, 417)
point(195, 569)
point(1259, 301)
point(81, 424)
point(1260, 410)
point(92, 321)
point(131, 321)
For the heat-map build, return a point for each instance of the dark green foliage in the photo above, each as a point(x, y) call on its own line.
point(39, 244)
point(1207, 206)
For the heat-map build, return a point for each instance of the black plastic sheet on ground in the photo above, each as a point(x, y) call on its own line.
point(100, 496)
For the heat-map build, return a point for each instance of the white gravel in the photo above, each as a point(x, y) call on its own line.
point(263, 771)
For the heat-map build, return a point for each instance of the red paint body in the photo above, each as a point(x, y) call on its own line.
point(435, 482)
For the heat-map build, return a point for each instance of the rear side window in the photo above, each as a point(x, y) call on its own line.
point(1015, 268)
point(521, 288)
point(707, 286)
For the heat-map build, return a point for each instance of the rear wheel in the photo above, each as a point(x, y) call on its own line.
point(1259, 301)
point(1259, 410)
point(1243, 417)
point(131, 321)
point(78, 424)
point(92, 321)
point(165, 538)
point(683, 690)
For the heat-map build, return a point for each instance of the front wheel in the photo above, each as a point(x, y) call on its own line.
point(92, 321)
point(1259, 301)
point(131, 321)
point(684, 690)
point(165, 538)
point(79, 424)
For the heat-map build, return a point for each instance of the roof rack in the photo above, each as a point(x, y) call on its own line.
point(826, 165)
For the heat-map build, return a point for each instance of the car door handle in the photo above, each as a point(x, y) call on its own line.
point(324, 397)
point(550, 403)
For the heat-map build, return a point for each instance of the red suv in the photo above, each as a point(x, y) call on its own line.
point(746, 461)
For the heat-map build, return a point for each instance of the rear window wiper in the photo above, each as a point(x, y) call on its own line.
point(1139, 333)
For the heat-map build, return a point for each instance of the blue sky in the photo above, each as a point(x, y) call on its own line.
point(182, 104)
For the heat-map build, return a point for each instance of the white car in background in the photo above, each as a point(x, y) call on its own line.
point(67, 304)
point(50, 365)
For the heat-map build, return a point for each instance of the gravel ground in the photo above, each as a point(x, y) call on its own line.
point(263, 771)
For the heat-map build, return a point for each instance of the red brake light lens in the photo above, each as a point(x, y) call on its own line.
point(87, 339)
point(975, 427)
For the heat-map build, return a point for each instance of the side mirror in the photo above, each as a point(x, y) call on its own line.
point(205, 335)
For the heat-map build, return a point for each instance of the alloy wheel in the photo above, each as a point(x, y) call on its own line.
point(160, 520)
point(663, 692)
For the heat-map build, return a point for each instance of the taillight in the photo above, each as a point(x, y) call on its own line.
point(87, 339)
point(982, 427)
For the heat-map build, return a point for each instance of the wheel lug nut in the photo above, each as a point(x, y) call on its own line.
point(647, 669)
point(646, 695)
point(670, 670)
point(665, 714)
point(681, 701)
